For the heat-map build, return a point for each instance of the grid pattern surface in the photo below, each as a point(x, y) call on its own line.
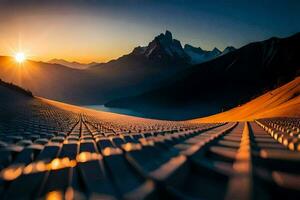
point(53, 153)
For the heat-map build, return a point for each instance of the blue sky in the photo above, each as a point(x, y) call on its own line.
point(100, 30)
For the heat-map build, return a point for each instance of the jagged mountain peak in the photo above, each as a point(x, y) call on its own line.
point(139, 50)
point(165, 36)
point(228, 49)
point(168, 34)
point(163, 48)
point(216, 50)
point(198, 55)
point(243, 73)
point(188, 46)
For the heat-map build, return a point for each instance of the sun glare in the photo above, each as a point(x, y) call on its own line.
point(20, 57)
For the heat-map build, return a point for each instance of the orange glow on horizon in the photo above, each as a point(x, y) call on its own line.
point(21, 73)
point(75, 48)
point(83, 59)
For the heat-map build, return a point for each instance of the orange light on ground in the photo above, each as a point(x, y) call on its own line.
point(11, 173)
point(54, 195)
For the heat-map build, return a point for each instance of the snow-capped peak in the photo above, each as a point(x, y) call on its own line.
point(198, 55)
point(163, 47)
point(228, 49)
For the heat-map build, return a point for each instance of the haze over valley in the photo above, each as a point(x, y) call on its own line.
point(163, 79)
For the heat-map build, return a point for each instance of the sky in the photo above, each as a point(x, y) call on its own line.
point(101, 30)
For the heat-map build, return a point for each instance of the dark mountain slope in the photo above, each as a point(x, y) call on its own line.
point(284, 101)
point(222, 83)
point(12, 94)
point(129, 75)
point(132, 74)
point(43, 79)
point(15, 88)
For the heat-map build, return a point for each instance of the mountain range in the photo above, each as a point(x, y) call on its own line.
point(198, 55)
point(74, 65)
point(128, 75)
point(162, 79)
point(163, 49)
point(221, 83)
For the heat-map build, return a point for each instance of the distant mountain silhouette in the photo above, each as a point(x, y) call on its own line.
point(75, 65)
point(43, 79)
point(228, 50)
point(163, 47)
point(130, 74)
point(161, 64)
point(163, 50)
point(198, 55)
point(221, 83)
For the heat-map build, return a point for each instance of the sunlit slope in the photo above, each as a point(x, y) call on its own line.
point(281, 102)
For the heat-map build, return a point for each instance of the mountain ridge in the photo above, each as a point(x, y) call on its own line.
point(129, 75)
point(73, 64)
point(198, 55)
point(166, 49)
point(225, 82)
point(15, 88)
point(163, 48)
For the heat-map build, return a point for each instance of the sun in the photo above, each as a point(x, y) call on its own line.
point(20, 57)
